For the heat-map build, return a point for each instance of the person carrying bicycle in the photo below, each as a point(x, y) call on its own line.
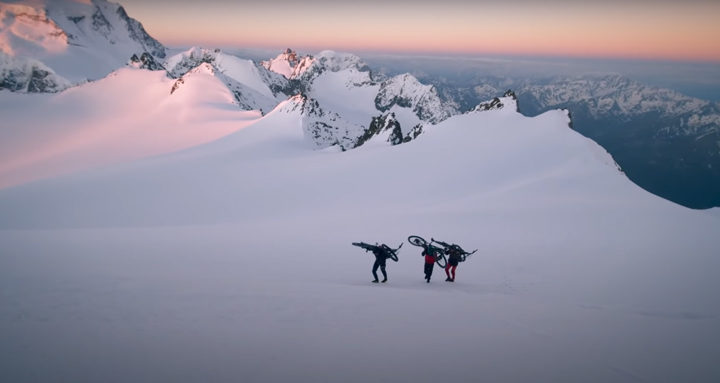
point(430, 254)
point(382, 253)
point(455, 256)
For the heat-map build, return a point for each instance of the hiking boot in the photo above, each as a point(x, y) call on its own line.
point(448, 280)
point(384, 280)
point(375, 281)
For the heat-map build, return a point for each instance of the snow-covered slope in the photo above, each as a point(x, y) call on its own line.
point(232, 260)
point(254, 87)
point(667, 142)
point(77, 40)
point(170, 235)
point(546, 143)
point(340, 105)
point(128, 115)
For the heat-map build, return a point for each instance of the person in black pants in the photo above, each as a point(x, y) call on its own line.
point(455, 256)
point(429, 254)
point(382, 253)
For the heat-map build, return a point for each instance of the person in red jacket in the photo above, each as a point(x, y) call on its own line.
point(429, 253)
point(455, 254)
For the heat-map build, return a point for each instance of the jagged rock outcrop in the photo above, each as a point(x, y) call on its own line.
point(288, 64)
point(345, 105)
point(183, 63)
point(494, 104)
point(407, 92)
point(497, 102)
point(324, 128)
point(29, 76)
point(146, 61)
point(388, 126)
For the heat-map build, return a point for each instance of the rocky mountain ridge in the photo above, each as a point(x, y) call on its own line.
point(47, 46)
point(341, 101)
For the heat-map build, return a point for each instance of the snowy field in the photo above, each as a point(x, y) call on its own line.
point(231, 260)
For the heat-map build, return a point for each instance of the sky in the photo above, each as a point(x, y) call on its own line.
point(633, 29)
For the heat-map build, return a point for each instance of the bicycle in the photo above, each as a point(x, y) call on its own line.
point(386, 248)
point(454, 248)
point(439, 253)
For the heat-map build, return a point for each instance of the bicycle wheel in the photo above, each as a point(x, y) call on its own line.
point(394, 257)
point(441, 261)
point(417, 241)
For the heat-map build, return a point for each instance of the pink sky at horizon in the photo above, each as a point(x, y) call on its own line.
point(633, 30)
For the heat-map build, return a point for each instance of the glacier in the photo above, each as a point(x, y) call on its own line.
point(194, 223)
point(229, 257)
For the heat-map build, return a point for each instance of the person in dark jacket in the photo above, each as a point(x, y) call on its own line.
point(455, 256)
point(429, 253)
point(382, 253)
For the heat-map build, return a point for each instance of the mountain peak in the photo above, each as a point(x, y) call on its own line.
point(406, 91)
point(289, 64)
point(78, 40)
point(337, 61)
point(27, 30)
point(509, 99)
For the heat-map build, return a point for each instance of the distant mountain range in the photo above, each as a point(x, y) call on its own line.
point(343, 103)
point(666, 142)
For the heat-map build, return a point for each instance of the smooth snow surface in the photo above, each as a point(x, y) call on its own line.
point(128, 115)
point(231, 260)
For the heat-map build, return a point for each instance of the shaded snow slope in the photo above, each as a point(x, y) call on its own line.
point(128, 115)
point(233, 260)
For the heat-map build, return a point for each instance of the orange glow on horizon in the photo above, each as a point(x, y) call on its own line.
point(670, 31)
